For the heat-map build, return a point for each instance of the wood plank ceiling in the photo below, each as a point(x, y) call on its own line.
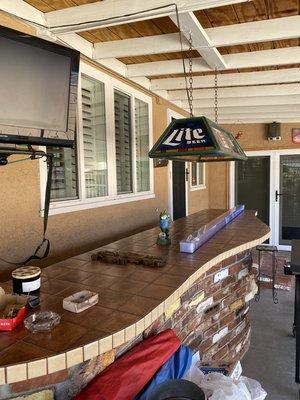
point(214, 17)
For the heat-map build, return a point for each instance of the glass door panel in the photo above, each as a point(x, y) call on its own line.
point(289, 199)
point(252, 185)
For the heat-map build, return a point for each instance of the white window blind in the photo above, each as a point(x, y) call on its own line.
point(123, 142)
point(142, 145)
point(110, 164)
point(94, 137)
point(64, 184)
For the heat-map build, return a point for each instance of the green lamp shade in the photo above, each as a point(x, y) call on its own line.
point(197, 139)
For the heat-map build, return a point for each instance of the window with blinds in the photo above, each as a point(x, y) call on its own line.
point(107, 166)
point(123, 142)
point(94, 137)
point(198, 178)
point(64, 174)
point(142, 145)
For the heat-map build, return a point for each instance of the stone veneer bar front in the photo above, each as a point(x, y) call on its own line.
point(203, 296)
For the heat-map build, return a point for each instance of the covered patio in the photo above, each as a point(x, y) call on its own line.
point(149, 156)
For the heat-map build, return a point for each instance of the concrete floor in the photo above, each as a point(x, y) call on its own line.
point(270, 359)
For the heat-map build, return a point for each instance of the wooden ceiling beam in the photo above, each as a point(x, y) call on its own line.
point(245, 101)
point(23, 10)
point(253, 59)
point(250, 32)
point(252, 119)
point(190, 27)
point(231, 79)
point(251, 110)
point(255, 32)
point(265, 91)
point(115, 12)
point(142, 46)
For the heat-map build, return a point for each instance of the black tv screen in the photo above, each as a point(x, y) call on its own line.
point(38, 88)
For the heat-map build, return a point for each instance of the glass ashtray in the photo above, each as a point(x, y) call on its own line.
point(42, 321)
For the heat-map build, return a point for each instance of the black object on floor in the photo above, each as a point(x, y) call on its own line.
point(295, 270)
point(177, 389)
point(273, 250)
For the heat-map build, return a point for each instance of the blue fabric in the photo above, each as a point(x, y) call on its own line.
point(175, 368)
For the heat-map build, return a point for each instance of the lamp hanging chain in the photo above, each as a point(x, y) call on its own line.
point(191, 80)
point(216, 96)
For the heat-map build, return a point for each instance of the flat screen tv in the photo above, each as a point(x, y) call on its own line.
point(38, 91)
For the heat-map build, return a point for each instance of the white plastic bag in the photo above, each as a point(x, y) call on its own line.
point(217, 386)
point(220, 387)
point(254, 387)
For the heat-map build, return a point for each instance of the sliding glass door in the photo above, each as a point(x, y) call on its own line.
point(289, 199)
point(269, 182)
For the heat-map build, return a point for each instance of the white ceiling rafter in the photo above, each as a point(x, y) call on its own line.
point(23, 10)
point(189, 25)
point(255, 32)
point(252, 110)
point(245, 101)
point(142, 46)
point(251, 119)
point(277, 91)
point(244, 114)
point(231, 79)
point(249, 32)
point(254, 59)
point(115, 12)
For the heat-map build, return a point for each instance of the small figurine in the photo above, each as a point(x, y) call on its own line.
point(164, 223)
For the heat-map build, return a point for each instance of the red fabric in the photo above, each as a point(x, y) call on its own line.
point(127, 376)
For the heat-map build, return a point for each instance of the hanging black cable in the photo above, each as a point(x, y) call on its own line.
point(94, 21)
point(45, 242)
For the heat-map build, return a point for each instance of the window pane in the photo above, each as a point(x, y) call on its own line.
point(194, 174)
point(142, 146)
point(94, 137)
point(64, 174)
point(123, 143)
point(200, 173)
point(197, 174)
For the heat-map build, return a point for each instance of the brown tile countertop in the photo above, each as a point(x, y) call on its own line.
point(130, 296)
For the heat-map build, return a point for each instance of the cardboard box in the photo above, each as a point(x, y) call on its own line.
point(9, 324)
point(80, 301)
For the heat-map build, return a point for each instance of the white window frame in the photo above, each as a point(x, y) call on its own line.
point(83, 203)
point(202, 185)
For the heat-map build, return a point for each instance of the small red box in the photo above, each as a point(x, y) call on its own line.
point(11, 323)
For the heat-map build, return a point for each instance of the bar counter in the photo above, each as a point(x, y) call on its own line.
point(134, 301)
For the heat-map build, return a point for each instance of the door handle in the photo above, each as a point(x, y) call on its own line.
point(277, 194)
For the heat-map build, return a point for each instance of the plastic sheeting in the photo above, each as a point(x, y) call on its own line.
point(175, 368)
point(129, 374)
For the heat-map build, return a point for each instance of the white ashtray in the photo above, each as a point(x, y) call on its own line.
point(80, 301)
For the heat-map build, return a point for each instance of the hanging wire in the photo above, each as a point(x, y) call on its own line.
point(187, 86)
point(191, 81)
point(216, 96)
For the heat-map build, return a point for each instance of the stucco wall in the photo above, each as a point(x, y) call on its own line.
point(72, 233)
point(254, 136)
